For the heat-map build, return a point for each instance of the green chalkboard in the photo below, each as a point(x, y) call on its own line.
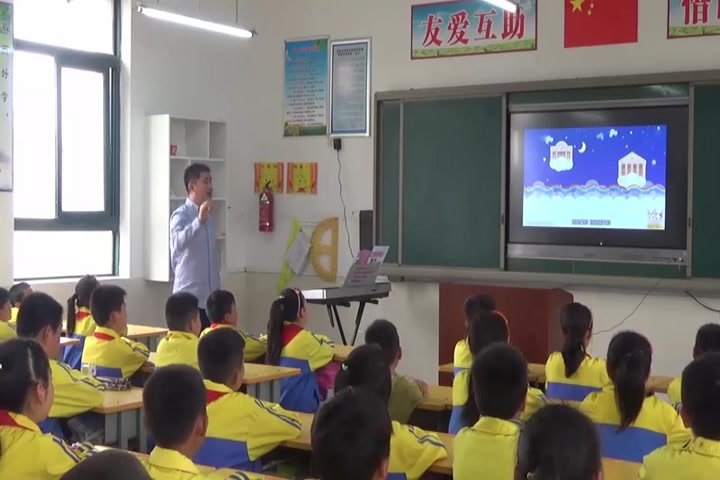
point(388, 167)
point(448, 181)
point(706, 183)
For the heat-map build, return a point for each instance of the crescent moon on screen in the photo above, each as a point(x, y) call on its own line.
point(582, 148)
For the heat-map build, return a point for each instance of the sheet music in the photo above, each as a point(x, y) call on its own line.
point(366, 266)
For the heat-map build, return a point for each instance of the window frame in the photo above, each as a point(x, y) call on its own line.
point(110, 66)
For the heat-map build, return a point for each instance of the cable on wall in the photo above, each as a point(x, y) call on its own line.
point(342, 199)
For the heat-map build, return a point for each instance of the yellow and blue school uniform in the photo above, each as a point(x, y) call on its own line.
point(84, 327)
point(486, 450)
point(74, 393)
point(412, 452)
point(657, 425)
point(113, 356)
point(675, 391)
point(165, 464)
point(29, 453)
point(255, 347)
point(698, 460)
point(590, 377)
point(13, 314)
point(302, 349)
point(242, 429)
point(534, 401)
point(177, 347)
point(7, 331)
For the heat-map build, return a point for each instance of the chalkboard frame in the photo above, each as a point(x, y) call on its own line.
point(693, 78)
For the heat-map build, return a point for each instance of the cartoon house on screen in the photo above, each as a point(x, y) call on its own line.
point(632, 170)
point(562, 150)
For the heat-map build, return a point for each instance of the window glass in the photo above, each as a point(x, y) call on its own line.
point(78, 24)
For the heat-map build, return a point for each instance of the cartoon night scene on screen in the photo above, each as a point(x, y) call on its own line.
point(595, 177)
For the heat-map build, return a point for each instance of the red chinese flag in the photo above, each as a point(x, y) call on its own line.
point(590, 23)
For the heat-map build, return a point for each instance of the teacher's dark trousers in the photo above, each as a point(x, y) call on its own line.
point(204, 320)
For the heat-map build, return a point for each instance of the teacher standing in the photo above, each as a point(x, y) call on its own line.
point(193, 251)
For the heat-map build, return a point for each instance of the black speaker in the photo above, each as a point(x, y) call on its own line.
point(367, 240)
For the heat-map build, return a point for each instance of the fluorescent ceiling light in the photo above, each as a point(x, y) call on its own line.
point(504, 4)
point(194, 22)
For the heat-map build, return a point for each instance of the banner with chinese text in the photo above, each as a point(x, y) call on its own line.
point(693, 18)
point(471, 27)
point(306, 87)
point(6, 128)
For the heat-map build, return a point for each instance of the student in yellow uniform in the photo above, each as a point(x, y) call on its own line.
point(80, 322)
point(107, 352)
point(290, 344)
point(180, 344)
point(26, 395)
point(406, 392)
point(412, 450)
point(241, 429)
point(17, 293)
point(632, 423)
point(474, 306)
point(351, 437)
point(175, 416)
point(7, 330)
point(109, 464)
point(707, 339)
point(75, 393)
point(222, 312)
point(559, 443)
point(486, 329)
point(572, 374)
point(700, 459)
point(487, 448)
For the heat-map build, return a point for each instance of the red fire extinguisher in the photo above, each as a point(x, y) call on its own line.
point(267, 217)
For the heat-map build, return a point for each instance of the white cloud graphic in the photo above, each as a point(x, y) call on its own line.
point(613, 133)
point(561, 164)
point(631, 179)
point(600, 136)
point(548, 139)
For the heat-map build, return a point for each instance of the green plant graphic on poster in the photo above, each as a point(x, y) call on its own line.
point(6, 63)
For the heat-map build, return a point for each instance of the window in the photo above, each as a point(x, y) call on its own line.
point(78, 24)
point(66, 130)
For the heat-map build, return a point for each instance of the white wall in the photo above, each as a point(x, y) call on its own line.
point(188, 73)
point(669, 320)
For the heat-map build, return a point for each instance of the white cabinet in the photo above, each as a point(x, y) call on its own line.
point(172, 145)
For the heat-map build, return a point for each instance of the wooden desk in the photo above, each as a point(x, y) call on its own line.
point(536, 371)
point(342, 352)
point(116, 404)
point(68, 341)
point(658, 383)
point(264, 379)
point(150, 336)
point(438, 399)
point(618, 470)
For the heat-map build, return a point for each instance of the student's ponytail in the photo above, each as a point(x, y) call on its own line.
point(71, 313)
point(286, 308)
point(628, 362)
point(81, 298)
point(484, 330)
point(366, 367)
point(575, 321)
